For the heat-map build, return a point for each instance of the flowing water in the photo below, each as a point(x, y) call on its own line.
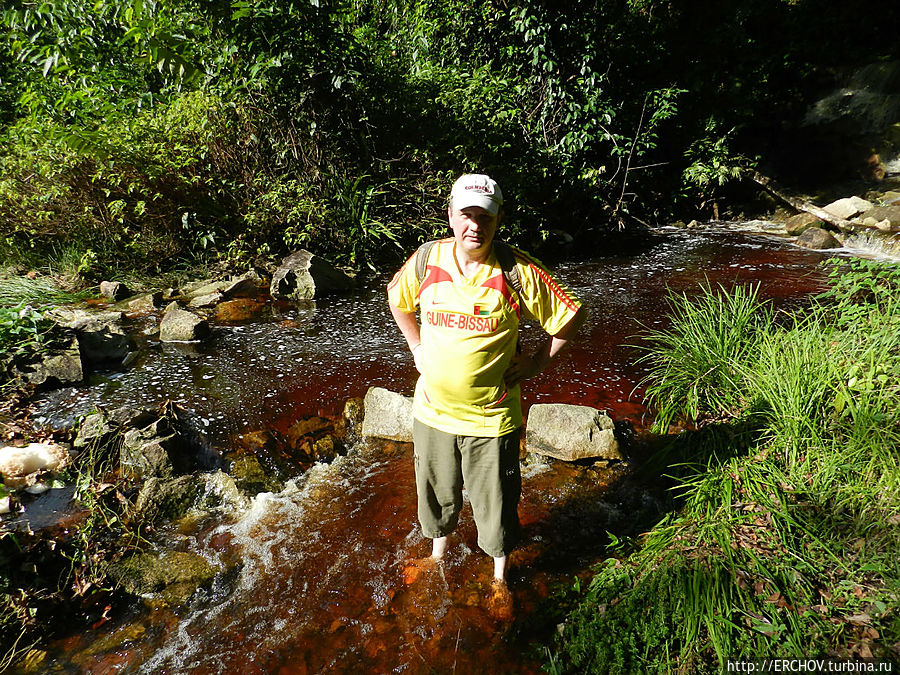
point(311, 579)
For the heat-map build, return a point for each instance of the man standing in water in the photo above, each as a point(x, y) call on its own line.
point(470, 293)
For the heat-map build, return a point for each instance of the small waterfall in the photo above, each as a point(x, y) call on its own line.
point(874, 243)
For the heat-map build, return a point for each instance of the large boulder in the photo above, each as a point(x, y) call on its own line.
point(801, 222)
point(848, 207)
point(304, 276)
point(570, 432)
point(817, 238)
point(387, 415)
point(179, 325)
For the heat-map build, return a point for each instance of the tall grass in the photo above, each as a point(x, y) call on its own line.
point(693, 365)
point(40, 291)
point(787, 544)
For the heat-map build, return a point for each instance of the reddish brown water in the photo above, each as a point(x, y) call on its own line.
point(312, 577)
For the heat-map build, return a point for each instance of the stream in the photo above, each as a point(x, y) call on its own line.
point(311, 577)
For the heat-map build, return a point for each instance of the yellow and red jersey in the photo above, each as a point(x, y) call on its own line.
point(469, 327)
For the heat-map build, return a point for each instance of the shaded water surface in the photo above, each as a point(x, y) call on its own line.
point(312, 578)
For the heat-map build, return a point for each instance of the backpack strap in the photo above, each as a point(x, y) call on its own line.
point(422, 258)
point(502, 250)
point(507, 260)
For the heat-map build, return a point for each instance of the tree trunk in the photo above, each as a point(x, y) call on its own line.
point(800, 205)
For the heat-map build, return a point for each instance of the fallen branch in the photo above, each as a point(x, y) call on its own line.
point(801, 205)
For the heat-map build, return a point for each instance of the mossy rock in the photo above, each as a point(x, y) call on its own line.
point(153, 571)
point(168, 499)
point(251, 478)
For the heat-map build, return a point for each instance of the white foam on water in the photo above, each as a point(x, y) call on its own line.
point(874, 245)
point(274, 539)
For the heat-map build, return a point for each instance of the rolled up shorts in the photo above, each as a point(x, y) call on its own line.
point(489, 469)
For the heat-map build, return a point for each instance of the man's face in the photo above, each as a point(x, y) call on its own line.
point(473, 227)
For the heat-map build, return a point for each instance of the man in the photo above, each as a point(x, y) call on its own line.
point(467, 408)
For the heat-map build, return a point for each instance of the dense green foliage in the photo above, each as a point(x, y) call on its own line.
point(788, 537)
point(152, 135)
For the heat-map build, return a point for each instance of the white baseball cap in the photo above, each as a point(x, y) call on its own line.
point(476, 189)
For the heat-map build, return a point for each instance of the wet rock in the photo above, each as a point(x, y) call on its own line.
point(306, 427)
point(311, 439)
point(387, 415)
point(19, 464)
point(160, 449)
point(323, 449)
point(93, 430)
point(817, 238)
point(114, 290)
point(131, 416)
point(570, 432)
point(58, 366)
point(152, 571)
point(250, 477)
point(354, 411)
point(239, 311)
point(848, 207)
point(146, 302)
point(145, 455)
point(202, 288)
point(179, 325)
point(221, 490)
point(272, 454)
point(800, 223)
point(221, 289)
point(167, 499)
point(117, 641)
point(101, 336)
point(101, 427)
point(881, 213)
point(304, 276)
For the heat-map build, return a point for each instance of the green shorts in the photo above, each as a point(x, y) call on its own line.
point(489, 468)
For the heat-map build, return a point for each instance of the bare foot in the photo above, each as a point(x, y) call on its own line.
point(500, 601)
